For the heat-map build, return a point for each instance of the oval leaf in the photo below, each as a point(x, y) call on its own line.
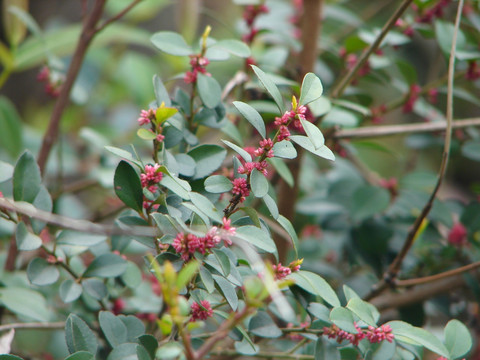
point(271, 88)
point(209, 90)
point(217, 184)
point(311, 90)
point(171, 42)
point(252, 116)
point(106, 265)
point(79, 336)
point(316, 285)
point(258, 183)
point(40, 272)
point(127, 186)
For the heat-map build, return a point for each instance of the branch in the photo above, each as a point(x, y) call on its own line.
point(350, 75)
point(385, 130)
point(35, 325)
point(443, 275)
point(74, 224)
point(392, 272)
point(266, 355)
point(118, 16)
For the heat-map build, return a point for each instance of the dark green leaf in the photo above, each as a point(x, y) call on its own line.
point(208, 159)
point(244, 154)
point(218, 184)
point(113, 328)
point(258, 183)
point(95, 288)
point(40, 272)
point(287, 225)
point(70, 290)
point(161, 93)
point(150, 343)
point(227, 290)
point(207, 279)
point(135, 327)
point(26, 178)
point(10, 128)
point(311, 90)
point(106, 265)
point(253, 117)
point(284, 149)
point(252, 214)
point(10, 357)
point(316, 285)
point(209, 90)
point(369, 200)
point(79, 336)
point(26, 241)
point(305, 142)
point(271, 88)
point(132, 277)
point(172, 43)
point(457, 339)
point(223, 260)
point(262, 325)
point(127, 186)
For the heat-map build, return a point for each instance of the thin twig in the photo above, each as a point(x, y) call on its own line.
point(35, 326)
point(436, 277)
point(392, 272)
point(386, 130)
point(74, 224)
point(350, 75)
point(266, 355)
point(118, 16)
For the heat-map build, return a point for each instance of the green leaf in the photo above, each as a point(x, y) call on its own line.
point(113, 328)
point(284, 149)
point(316, 285)
point(207, 279)
point(257, 237)
point(244, 154)
point(146, 134)
point(76, 238)
point(311, 90)
point(457, 339)
point(70, 290)
point(6, 171)
point(150, 343)
point(43, 201)
point(271, 205)
point(10, 128)
point(227, 290)
point(10, 357)
point(26, 241)
point(287, 225)
point(471, 150)
point(27, 179)
point(349, 293)
point(305, 142)
point(414, 335)
point(79, 336)
point(187, 273)
point(262, 325)
point(106, 265)
point(40, 272)
point(175, 185)
point(132, 277)
point(169, 351)
point(271, 88)
point(369, 200)
point(208, 159)
point(127, 186)
point(252, 214)
point(343, 318)
point(165, 223)
point(217, 184)
point(125, 351)
point(314, 134)
point(234, 47)
point(135, 327)
point(444, 34)
point(258, 183)
point(172, 43)
point(124, 154)
point(81, 355)
point(161, 93)
point(252, 116)
point(95, 288)
point(365, 311)
point(25, 303)
point(209, 90)
point(320, 311)
point(282, 170)
point(206, 206)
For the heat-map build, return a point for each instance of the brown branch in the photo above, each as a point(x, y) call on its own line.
point(386, 130)
point(74, 224)
point(118, 16)
point(436, 277)
point(350, 75)
point(35, 326)
point(390, 275)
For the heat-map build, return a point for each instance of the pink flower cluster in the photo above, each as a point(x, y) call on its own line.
point(53, 81)
point(372, 334)
point(266, 146)
point(436, 11)
point(250, 13)
point(146, 117)
point(151, 177)
point(240, 187)
point(457, 235)
point(413, 95)
point(473, 71)
point(187, 244)
point(377, 113)
point(289, 118)
point(281, 272)
point(248, 167)
point(201, 311)
point(198, 63)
